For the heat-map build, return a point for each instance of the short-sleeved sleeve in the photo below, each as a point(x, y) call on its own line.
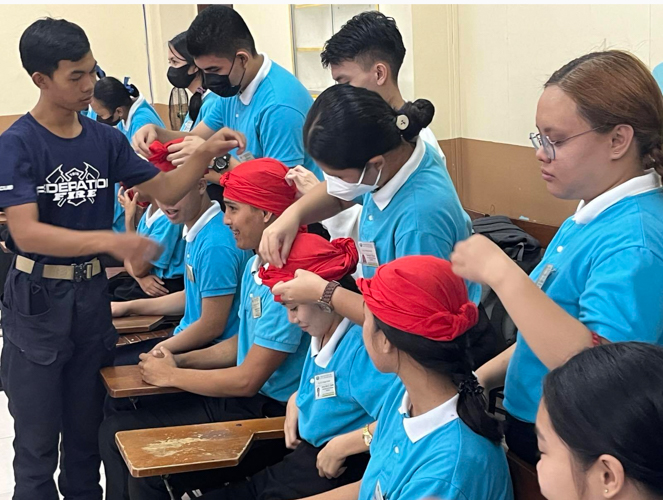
point(214, 115)
point(622, 297)
point(280, 132)
point(17, 184)
point(273, 330)
point(168, 236)
point(219, 270)
point(127, 166)
point(422, 243)
point(368, 386)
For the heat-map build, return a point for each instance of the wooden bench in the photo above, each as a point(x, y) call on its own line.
point(187, 448)
point(134, 338)
point(127, 382)
point(137, 324)
point(524, 478)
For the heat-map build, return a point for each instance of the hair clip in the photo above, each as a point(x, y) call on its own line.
point(126, 84)
point(470, 386)
point(402, 122)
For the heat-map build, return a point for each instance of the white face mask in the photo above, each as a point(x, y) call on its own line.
point(348, 191)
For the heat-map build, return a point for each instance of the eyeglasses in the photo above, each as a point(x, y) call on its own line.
point(543, 141)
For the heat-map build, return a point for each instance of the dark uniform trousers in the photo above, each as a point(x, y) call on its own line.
point(185, 409)
point(57, 336)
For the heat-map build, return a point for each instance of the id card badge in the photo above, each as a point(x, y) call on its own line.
point(369, 254)
point(377, 493)
point(545, 274)
point(189, 273)
point(256, 307)
point(325, 386)
point(246, 156)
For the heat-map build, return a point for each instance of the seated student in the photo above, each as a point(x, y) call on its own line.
point(251, 375)
point(164, 275)
point(259, 98)
point(599, 425)
point(433, 437)
point(366, 52)
point(340, 389)
point(601, 278)
point(213, 268)
point(120, 105)
point(372, 155)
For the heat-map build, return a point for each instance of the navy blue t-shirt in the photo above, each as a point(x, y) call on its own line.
point(71, 180)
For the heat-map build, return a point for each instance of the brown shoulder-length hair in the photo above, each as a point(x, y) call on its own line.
point(613, 88)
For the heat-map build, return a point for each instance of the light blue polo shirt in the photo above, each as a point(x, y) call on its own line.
point(607, 271)
point(155, 225)
point(270, 112)
point(416, 213)
point(434, 455)
point(264, 322)
point(140, 114)
point(359, 387)
point(213, 267)
point(207, 106)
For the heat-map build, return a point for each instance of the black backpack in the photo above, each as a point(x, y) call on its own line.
point(523, 248)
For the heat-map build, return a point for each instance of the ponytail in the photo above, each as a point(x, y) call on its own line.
point(347, 126)
point(114, 94)
point(450, 359)
point(195, 104)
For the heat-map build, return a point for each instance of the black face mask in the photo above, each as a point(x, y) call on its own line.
point(180, 77)
point(220, 84)
point(108, 121)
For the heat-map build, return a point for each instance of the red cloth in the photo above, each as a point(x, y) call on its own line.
point(260, 183)
point(159, 157)
point(331, 260)
point(420, 295)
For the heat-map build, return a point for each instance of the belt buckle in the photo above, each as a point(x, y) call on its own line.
point(82, 272)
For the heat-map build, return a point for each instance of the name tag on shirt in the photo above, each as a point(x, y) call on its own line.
point(325, 386)
point(547, 271)
point(377, 493)
point(369, 255)
point(246, 156)
point(256, 307)
point(189, 273)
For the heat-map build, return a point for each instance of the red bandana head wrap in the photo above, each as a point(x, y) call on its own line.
point(159, 157)
point(420, 295)
point(331, 260)
point(261, 184)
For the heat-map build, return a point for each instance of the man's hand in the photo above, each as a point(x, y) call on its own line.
point(158, 371)
point(181, 151)
point(134, 247)
point(152, 286)
point(142, 139)
point(303, 179)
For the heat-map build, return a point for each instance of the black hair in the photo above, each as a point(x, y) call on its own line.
point(367, 38)
point(451, 359)
point(113, 94)
point(609, 400)
point(196, 102)
point(349, 283)
point(219, 30)
point(48, 41)
point(347, 126)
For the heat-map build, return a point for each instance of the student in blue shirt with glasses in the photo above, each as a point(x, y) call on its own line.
point(601, 279)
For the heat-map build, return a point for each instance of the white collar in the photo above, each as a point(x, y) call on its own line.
point(137, 104)
point(383, 196)
point(189, 234)
point(205, 94)
point(323, 356)
point(421, 426)
point(251, 88)
point(151, 218)
point(255, 267)
point(587, 212)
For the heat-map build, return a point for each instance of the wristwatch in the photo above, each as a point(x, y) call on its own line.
point(366, 434)
point(325, 300)
point(220, 163)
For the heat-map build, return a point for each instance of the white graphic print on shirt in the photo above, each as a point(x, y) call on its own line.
point(74, 186)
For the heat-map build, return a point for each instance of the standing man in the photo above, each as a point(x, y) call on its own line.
point(260, 99)
point(57, 171)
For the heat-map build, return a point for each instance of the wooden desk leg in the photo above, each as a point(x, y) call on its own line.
point(168, 487)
